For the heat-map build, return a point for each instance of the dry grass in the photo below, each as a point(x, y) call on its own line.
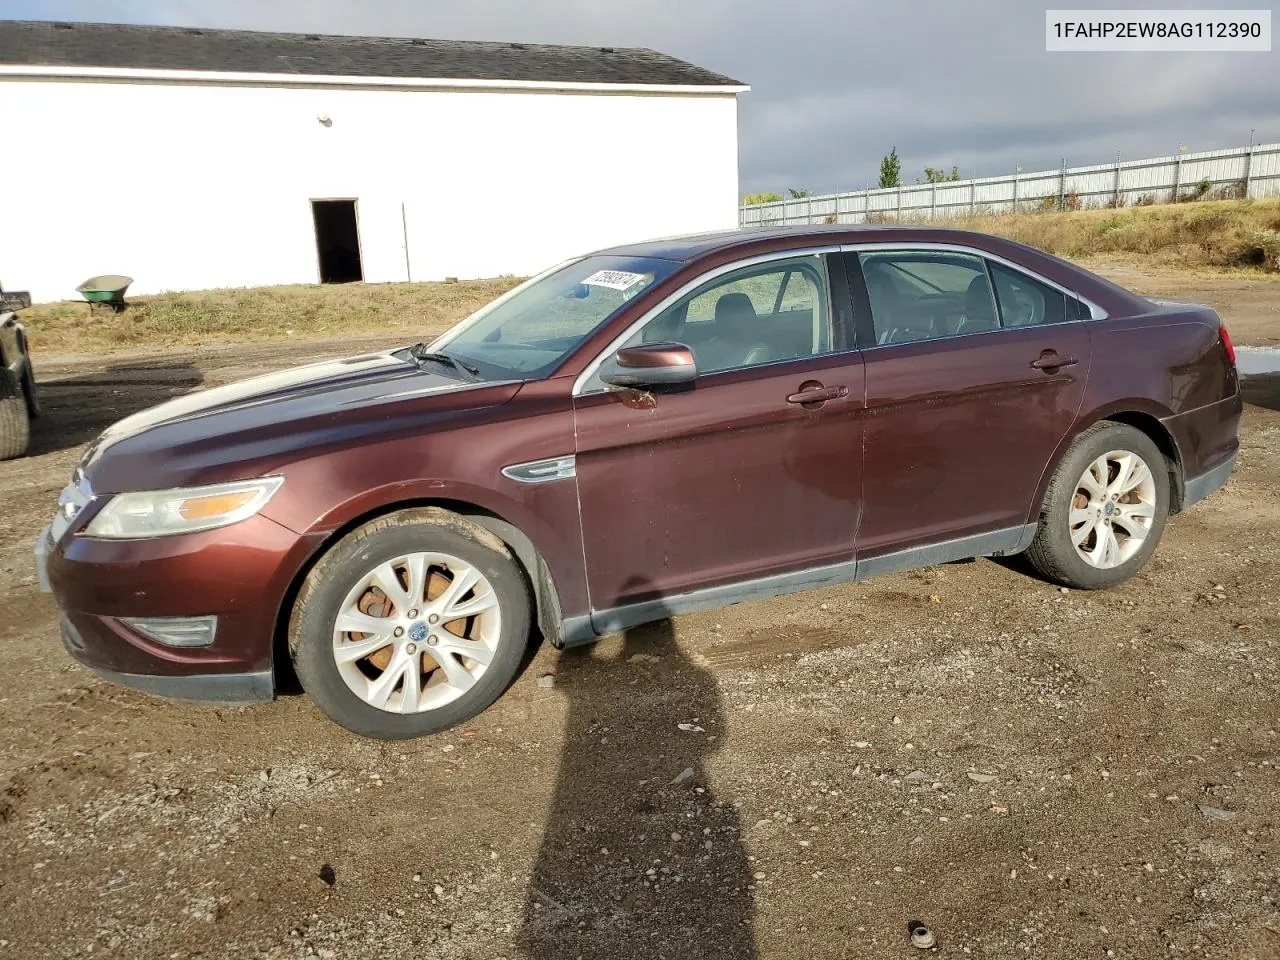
point(1216, 234)
point(259, 313)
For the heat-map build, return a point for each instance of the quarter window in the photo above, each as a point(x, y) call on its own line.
point(760, 314)
point(1025, 302)
point(926, 295)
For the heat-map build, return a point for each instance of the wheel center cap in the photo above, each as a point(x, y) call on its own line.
point(418, 631)
point(1109, 509)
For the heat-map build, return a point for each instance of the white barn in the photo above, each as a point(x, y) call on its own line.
point(193, 158)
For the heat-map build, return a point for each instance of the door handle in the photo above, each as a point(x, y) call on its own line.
point(1052, 360)
point(814, 394)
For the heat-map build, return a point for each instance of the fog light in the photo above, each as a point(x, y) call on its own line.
point(176, 631)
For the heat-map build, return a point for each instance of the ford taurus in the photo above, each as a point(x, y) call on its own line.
point(652, 429)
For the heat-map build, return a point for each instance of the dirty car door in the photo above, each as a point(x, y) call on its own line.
point(975, 373)
point(731, 477)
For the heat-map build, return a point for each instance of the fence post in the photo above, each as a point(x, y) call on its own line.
point(899, 213)
point(1116, 202)
point(1062, 186)
point(1016, 171)
point(933, 202)
point(973, 192)
point(1177, 177)
point(1248, 170)
point(808, 212)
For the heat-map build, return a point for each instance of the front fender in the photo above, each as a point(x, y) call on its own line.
point(461, 470)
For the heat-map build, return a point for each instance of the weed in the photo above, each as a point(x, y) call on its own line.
point(1113, 222)
point(1268, 242)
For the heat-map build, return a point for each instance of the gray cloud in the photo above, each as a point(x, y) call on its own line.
point(836, 83)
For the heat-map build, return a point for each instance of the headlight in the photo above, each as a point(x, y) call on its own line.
point(162, 513)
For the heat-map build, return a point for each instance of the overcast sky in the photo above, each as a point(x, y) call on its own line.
point(836, 83)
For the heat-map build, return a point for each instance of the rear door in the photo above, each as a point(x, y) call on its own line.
point(975, 372)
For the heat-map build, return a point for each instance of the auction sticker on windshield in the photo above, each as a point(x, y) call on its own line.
point(614, 279)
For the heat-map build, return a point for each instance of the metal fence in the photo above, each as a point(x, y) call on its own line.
point(1239, 172)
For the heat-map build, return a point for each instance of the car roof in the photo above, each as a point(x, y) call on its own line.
point(746, 242)
point(692, 246)
point(689, 247)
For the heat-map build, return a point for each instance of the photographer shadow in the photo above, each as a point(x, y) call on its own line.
point(640, 859)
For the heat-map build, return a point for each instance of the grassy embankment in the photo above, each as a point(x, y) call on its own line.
point(1239, 236)
point(259, 313)
point(1220, 237)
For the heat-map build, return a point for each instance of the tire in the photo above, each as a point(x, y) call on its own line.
point(15, 425)
point(1074, 496)
point(345, 582)
point(31, 391)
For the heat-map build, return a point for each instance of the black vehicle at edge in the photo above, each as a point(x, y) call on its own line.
point(19, 401)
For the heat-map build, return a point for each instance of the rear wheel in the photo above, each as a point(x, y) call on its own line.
point(411, 624)
point(1105, 510)
point(15, 425)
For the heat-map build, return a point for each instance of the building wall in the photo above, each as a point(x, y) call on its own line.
point(196, 186)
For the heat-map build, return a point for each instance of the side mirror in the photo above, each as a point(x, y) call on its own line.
point(649, 365)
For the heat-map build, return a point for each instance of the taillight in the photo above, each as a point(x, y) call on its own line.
point(1226, 342)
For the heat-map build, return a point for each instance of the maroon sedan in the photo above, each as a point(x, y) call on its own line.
point(652, 429)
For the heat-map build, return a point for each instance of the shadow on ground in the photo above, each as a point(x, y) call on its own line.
point(1262, 390)
point(77, 409)
point(640, 858)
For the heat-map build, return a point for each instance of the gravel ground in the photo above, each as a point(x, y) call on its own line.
point(1027, 771)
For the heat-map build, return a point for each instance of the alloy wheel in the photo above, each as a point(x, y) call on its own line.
point(1112, 509)
point(416, 632)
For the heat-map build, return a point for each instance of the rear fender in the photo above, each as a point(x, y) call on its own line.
point(1140, 412)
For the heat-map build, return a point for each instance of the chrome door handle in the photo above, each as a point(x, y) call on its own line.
point(814, 393)
point(1051, 360)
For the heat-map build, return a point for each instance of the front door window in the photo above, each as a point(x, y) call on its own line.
point(759, 314)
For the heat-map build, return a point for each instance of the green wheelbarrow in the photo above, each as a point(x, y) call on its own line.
point(106, 290)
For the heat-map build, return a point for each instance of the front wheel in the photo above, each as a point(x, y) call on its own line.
point(410, 624)
point(1105, 509)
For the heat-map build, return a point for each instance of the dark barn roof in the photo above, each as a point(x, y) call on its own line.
point(48, 44)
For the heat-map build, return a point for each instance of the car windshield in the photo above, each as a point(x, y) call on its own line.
point(528, 332)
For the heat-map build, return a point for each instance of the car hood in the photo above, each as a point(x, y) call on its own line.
point(252, 427)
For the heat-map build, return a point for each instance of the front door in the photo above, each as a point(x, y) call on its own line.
point(736, 476)
point(975, 373)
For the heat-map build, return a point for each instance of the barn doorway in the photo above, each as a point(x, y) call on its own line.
point(337, 241)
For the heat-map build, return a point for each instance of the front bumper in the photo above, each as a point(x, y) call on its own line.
point(255, 686)
point(241, 574)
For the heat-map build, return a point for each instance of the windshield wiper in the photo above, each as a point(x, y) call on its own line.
point(419, 351)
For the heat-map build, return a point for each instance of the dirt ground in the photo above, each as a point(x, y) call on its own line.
point(1029, 772)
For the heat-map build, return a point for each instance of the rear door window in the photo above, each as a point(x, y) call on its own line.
point(927, 295)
